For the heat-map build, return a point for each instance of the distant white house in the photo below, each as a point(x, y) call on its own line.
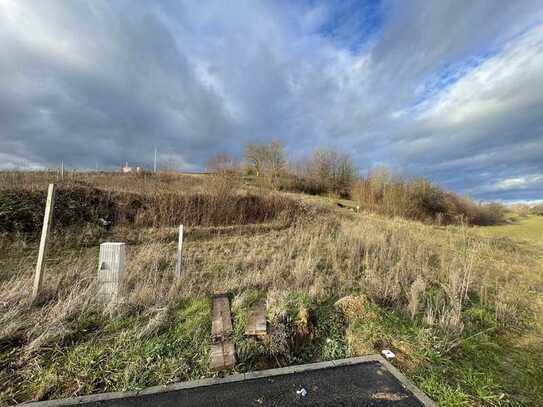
point(125, 169)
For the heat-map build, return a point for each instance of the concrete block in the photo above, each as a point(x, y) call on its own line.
point(110, 272)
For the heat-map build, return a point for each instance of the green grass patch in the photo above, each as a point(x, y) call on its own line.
point(117, 359)
point(483, 366)
point(527, 231)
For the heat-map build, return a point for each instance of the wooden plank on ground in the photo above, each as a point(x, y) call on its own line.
point(221, 324)
point(256, 325)
point(217, 357)
point(229, 352)
point(223, 356)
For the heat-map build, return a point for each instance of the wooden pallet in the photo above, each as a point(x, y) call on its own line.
point(256, 325)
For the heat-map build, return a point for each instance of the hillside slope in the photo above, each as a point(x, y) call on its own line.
point(456, 308)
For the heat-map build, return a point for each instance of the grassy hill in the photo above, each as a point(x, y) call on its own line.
point(459, 306)
point(526, 230)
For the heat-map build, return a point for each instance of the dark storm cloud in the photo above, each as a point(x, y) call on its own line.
point(450, 89)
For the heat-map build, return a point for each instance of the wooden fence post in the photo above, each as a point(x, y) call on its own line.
point(48, 216)
point(178, 266)
point(110, 272)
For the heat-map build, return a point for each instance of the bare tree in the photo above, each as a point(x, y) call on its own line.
point(266, 159)
point(345, 174)
point(221, 163)
point(333, 170)
point(379, 178)
point(275, 161)
point(255, 157)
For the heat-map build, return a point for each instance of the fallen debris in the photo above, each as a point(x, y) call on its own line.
point(302, 392)
point(388, 354)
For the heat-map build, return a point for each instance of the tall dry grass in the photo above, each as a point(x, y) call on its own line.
point(433, 277)
point(419, 199)
point(221, 202)
point(219, 205)
point(143, 182)
point(393, 263)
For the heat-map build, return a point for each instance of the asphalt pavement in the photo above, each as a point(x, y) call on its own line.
point(364, 384)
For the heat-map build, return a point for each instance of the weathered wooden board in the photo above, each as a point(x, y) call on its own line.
point(221, 324)
point(216, 361)
point(229, 352)
point(223, 356)
point(256, 325)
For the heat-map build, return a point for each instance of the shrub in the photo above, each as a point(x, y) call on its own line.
point(326, 172)
point(206, 209)
point(419, 199)
point(490, 214)
point(307, 185)
point(537, 210)
point(21, 210)
point(521, 210)
point(429, 200)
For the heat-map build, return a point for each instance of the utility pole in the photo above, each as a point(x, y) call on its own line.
point(155, 161)
point(62, 170)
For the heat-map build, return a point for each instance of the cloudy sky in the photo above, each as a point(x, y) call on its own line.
point(448, 89)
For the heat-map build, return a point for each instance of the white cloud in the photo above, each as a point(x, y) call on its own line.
point(512, 79)
point(527, 181)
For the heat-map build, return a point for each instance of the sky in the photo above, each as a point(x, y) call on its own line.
point(451, 90)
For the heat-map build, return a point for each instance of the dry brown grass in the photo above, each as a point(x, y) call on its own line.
point(394, 263)
point(419, 199)
point(145, 183)
point(431, 276)
point(162, 200)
